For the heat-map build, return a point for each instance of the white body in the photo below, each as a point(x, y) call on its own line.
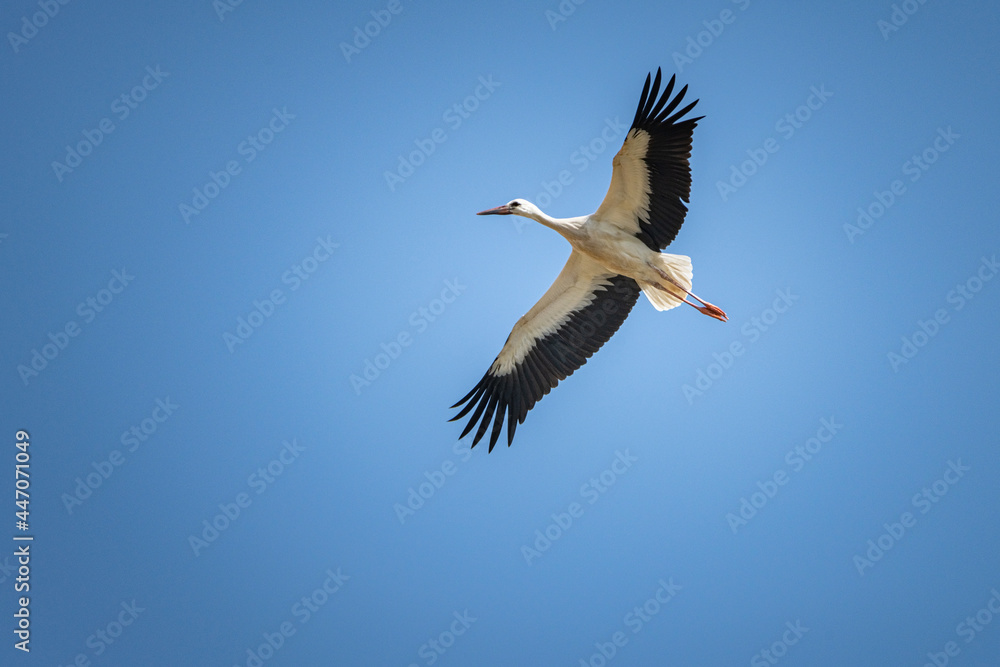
point(600, 250)
point(619, 251)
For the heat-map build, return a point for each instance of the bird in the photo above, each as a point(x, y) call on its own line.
point(616, 254)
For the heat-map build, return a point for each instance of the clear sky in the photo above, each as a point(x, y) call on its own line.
point(243, 281)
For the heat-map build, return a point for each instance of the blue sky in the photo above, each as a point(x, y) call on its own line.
point(216, 216)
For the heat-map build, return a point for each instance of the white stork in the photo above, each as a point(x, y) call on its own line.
point(616, 253)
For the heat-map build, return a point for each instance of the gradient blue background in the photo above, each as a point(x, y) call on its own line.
point(323, 177)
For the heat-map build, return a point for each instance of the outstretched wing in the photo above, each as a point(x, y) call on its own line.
point(651, 180)
point(578, 314)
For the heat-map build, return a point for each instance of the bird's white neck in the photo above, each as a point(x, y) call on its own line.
point(567, 227)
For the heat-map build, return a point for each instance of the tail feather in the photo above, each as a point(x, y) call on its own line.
point(677, 267)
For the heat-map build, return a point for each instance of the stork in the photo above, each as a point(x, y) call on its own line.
point(616, 254)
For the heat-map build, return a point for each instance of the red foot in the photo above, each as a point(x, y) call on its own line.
point(713, 311)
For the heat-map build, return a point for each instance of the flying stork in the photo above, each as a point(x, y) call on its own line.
point(616, 254)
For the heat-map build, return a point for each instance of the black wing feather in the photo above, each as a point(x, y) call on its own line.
point(667, 161)
point(552, 358)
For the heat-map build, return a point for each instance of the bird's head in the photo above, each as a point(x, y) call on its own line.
point(513, 207)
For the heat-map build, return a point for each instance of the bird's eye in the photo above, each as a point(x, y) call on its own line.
point(514, 204)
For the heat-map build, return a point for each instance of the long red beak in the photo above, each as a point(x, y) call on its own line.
point(499, 210)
